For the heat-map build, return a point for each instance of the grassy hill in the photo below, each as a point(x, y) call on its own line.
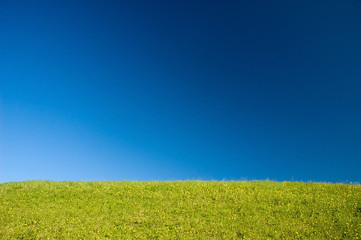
point(179, 210)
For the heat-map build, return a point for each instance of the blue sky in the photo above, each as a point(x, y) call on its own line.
point(174, 90)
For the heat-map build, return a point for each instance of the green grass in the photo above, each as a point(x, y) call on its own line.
point(179, 210)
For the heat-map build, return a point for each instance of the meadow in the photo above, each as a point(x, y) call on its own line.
point(179, 210)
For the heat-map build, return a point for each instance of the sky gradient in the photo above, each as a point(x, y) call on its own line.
point(174, 90)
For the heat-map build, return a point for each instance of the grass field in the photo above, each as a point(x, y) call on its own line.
point(179, 210)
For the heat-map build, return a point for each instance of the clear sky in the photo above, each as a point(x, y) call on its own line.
point(174, 90)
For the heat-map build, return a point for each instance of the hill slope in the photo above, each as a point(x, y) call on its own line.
point(179, 210)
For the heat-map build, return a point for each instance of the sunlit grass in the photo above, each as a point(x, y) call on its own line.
point(179, 210)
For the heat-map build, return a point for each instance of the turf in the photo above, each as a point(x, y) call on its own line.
point(179, 210)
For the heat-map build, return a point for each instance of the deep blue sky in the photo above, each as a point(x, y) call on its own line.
point(166, 90)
